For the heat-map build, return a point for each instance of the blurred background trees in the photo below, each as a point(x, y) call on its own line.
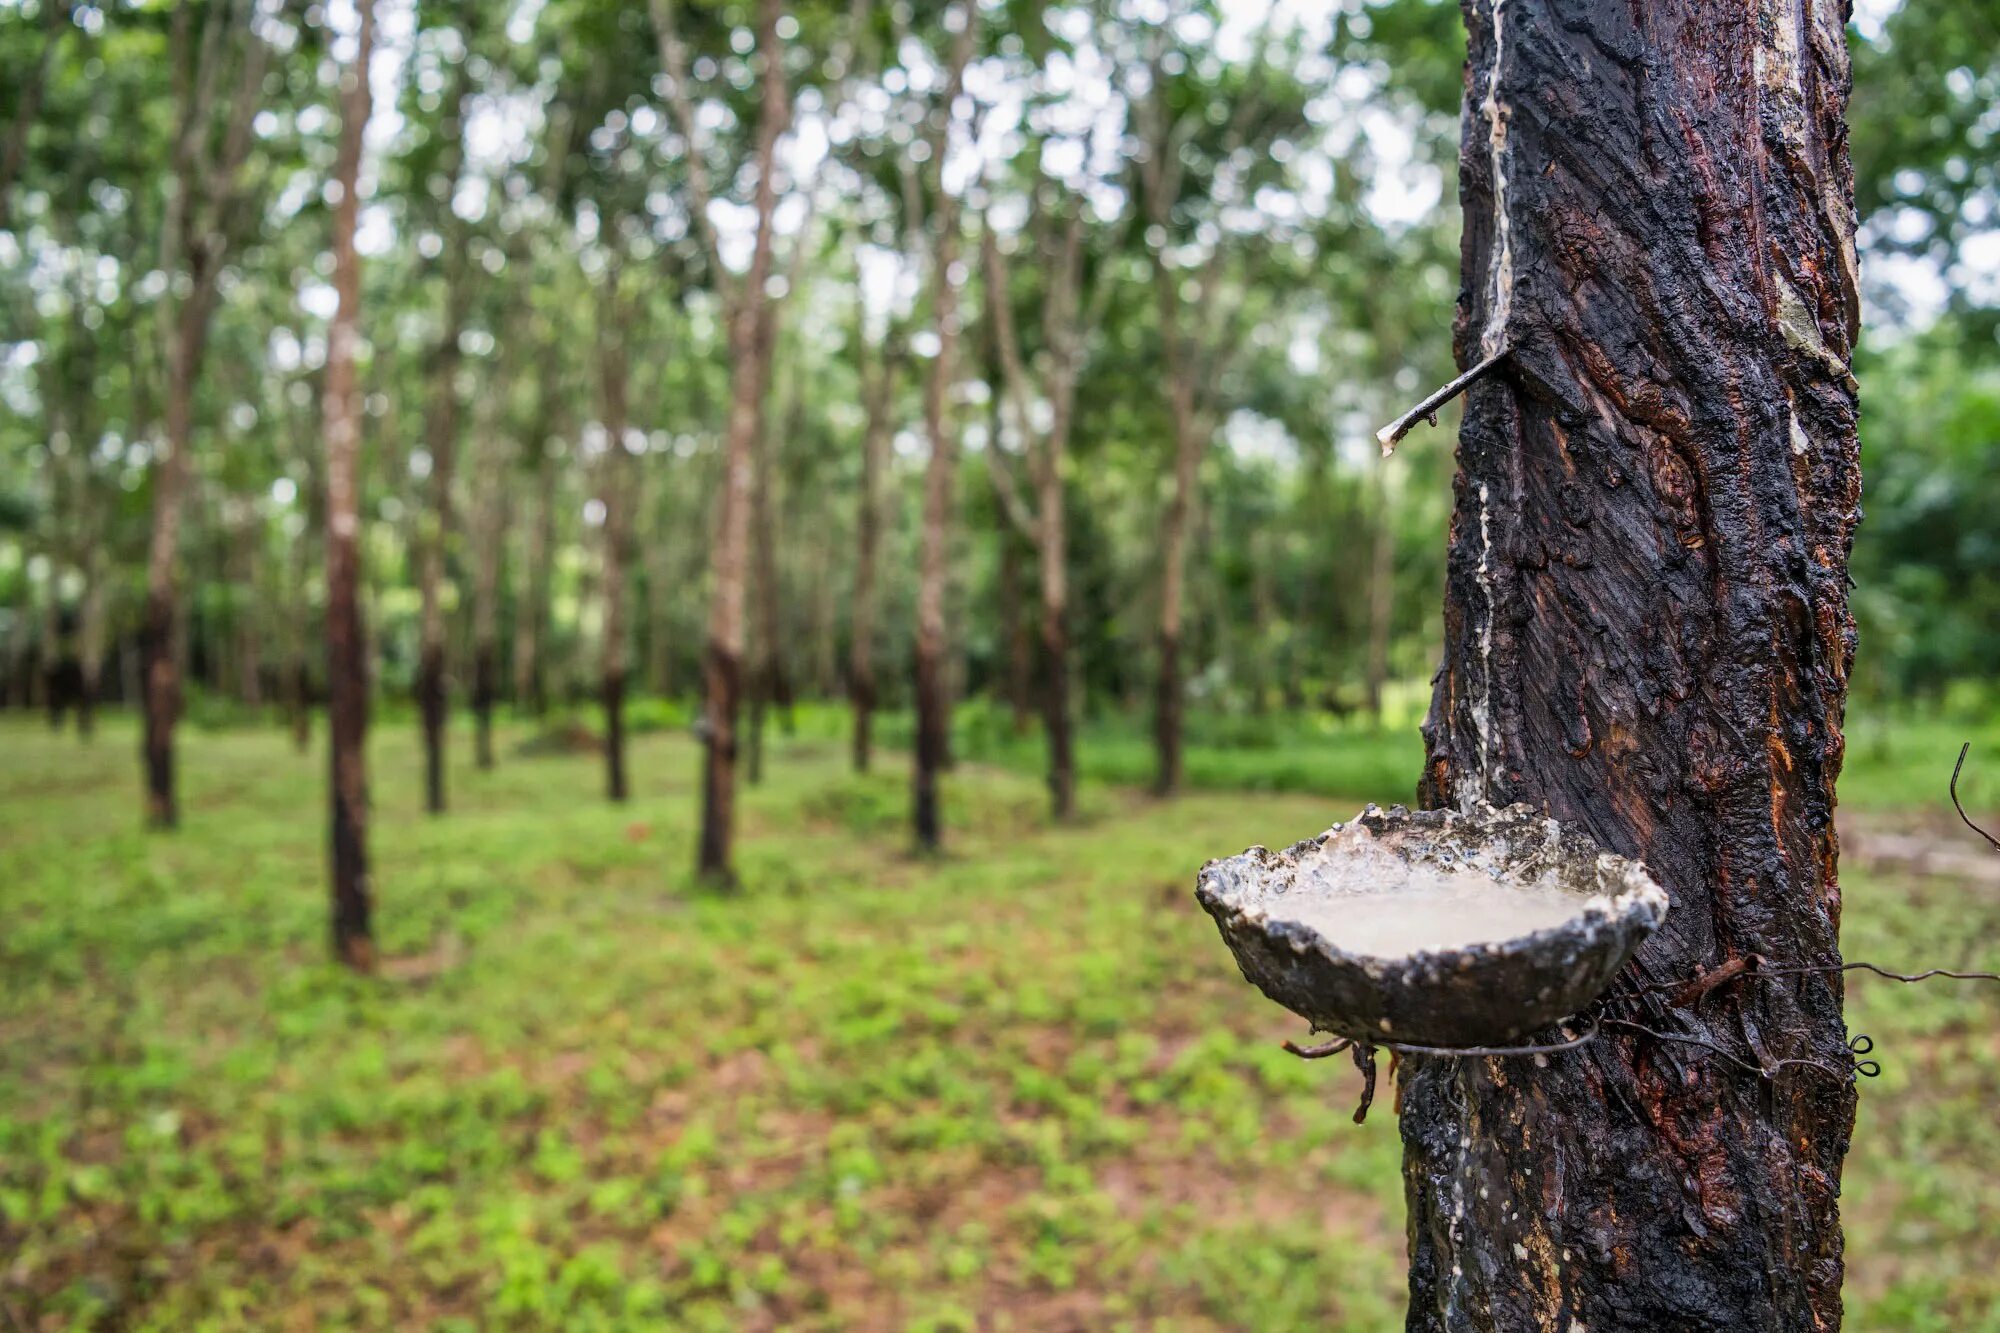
point(656, 355)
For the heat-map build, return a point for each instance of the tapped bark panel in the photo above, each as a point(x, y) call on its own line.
point(1647, 634)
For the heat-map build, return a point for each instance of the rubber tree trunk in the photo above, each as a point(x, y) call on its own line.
point(934, 556)
point(441, 440)
point(1381, 593)
point(767, 672)
point(346, 668)
point(861, 683)
point(1054, 566)
point(617, 482)
point(752, 327)
point(531, 619)
point(1647, 634)
point(90, 644)
point(157, 634)
point(1190, 439)
point(489, 544)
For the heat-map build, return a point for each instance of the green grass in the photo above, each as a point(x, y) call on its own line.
point(1019, 1087)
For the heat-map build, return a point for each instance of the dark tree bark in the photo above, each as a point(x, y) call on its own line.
point(346, 668)
point(1647, 635)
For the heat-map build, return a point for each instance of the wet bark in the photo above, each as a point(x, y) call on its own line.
point(346, 668)
point(1647, 634)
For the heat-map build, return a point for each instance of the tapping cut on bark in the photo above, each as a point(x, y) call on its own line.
point(1647, 635)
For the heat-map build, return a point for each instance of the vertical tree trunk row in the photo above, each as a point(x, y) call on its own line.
point(1648, 636)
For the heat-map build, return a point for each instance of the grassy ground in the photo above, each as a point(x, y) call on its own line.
point(1021, 1088)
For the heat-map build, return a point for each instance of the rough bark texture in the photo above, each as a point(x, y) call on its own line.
point(346, 669)
point(1647, 634)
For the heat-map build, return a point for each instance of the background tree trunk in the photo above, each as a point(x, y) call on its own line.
point(880, 390)
point(531, 617)
point(617, 481)
point(489, 546)
point(1381, 594)
point(90, 642)
point(752, 328)
point(1647, 635)
point(346, 671)
point(441, 441)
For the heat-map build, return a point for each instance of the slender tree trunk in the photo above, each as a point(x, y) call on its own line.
point(1647, 635)
point(751, 331)
point(441, 442)
point(1189, 441)
point(90, 642)
point(615, 472)
point(934, 561)
point(1381, 595)
point(160, 662)
point(249, 641)
point(825, 631)
point(1054, 565)
point(659, 565)
point(1014, 632)
point(861, 682)
point(531, 618)
point(489, 549)
point(765, 673)
point(346, 670)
